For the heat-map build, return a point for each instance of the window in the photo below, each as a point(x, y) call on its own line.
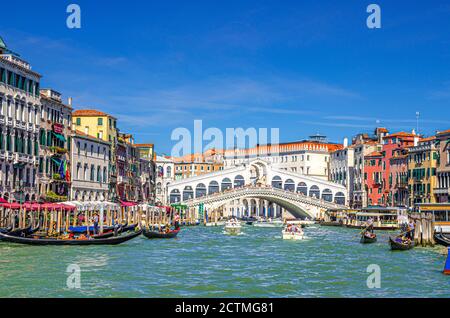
point(100, 121)
point(78, 121)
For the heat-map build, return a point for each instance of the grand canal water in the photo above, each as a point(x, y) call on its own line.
point(204, 262)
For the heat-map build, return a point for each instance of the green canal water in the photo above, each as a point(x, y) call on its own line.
point(204, 262)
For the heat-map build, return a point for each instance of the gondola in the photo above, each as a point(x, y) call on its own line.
point(442, 239)
point(48, 241)
point(249, 223)
point(157, 235)
point(5, 230)
point(400, 246)
point(23, 232)
point(126, 228)
point(366, 239)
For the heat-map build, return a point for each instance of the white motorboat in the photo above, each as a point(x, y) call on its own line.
point(293, 235)
point(268, 223)
point(218, 223)
point(233, 227)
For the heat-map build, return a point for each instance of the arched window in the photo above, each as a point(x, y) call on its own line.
point(200, 190)
point(158, 188)
point(277, 182)
point(188, 193)
point(169, 172)
point(213, 187)
point(314, 192)
point(175, 196)
point(226, 184)
point(289, 185)
point(239, 181)
point(302, 188)
point(339, 198)
point(327, 195)
point(92, 172)
point(104, 175)
point(99, 176)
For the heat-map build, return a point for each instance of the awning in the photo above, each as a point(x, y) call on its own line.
point(3, 201)
point(127, 204)
point(59, 136)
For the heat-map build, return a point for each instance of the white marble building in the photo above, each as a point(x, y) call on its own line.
point(19, 127)
point(90, 159)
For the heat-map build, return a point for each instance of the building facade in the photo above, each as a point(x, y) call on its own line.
point(442, 192)
point(398, 178)
point(422, 171)
point(55, 141)
point(165, 175)
point(342, 169)
point(90, 157)
point(19, 127)
point(373, 179)
point(308, 157)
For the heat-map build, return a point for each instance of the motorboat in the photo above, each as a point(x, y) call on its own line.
point(268, 223)
point(233, 227)
point(292, 233)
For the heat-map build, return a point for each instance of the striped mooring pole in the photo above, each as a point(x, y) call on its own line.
point(447, 264)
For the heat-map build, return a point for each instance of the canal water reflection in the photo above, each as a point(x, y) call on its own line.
point(205, 262)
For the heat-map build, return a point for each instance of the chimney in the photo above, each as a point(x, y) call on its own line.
point(345, 142)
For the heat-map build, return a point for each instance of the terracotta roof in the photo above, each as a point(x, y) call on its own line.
point(375, 154)
point(400, 134)
point(143, 145)
point(428, 139)
point(443, 132)
point(88, 113)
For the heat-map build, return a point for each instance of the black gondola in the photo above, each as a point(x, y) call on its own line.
point(5, 230)
point(21, 232)
point(47, 241)
point(126, 228)
point(366, 238)
point(442, 239)
point(157, 235)
point(400, 246)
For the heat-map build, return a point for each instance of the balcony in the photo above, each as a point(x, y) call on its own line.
point(30, 127)
point(445, 191)
point(2, 120)
point(58, 150)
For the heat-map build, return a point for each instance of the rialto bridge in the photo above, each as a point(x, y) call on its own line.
point(258, 188)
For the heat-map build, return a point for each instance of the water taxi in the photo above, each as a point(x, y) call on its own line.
point(233, 227)
point(293, 233)
point(268, 223)
point(389, 219)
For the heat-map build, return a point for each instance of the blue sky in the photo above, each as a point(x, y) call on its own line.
point(305, 67)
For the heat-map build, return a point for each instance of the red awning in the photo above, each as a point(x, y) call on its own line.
point(127, 204)
point(3, 201)
point(14, 206)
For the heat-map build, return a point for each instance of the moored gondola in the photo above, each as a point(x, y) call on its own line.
point(368, 238)
point(398, 245)
point(23, 232)
point(442, 239)
point(5, 230)
point(50, 241)
point(160, 235)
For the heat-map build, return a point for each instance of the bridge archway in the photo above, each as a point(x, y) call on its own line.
point(226, 184)
point(200, 190)
point(239, 181)
point(188, 193)
point(302, 188)
point(175, 196)
point(327, 195)
point(289, 185)
point(213, 187)
point(314, 192)
point(277, 182)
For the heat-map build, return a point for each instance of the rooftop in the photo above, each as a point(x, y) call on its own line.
point(90, 113)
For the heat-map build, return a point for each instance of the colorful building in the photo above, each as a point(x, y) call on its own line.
point(422, 171)
point(373, 179)
point(391, 144)
point(442, 191)
point(398, 178)
point(54, 154)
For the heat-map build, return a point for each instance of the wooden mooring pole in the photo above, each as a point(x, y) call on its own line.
point(423, 229)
